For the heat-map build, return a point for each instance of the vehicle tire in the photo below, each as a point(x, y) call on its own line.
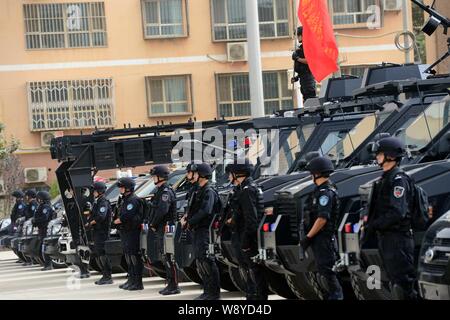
point(301, 286)
point(192, 275)
point(278, 285)
point(59, 263)
point(237, 278)
point(361, 291)
point(314, 280)
point(226, 283)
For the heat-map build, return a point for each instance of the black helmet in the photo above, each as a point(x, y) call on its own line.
point(320, 165)
point(99, 186)
point(191, 165)
point(127, 183)
point(160, 171)
point(204, 170)
point(245, 168)
point(30, 193)
point(18, 194)
point(391, 147)
point(299, 31)
point(43, 196)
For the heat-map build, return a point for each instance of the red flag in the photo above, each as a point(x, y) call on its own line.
point(319, 42)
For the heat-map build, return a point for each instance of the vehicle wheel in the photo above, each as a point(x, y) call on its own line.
point(278, 285)
point(361, 291)
point(59, 263)
point(301, 286)
point(192, 275)
point(314, 280)
point(237, 278)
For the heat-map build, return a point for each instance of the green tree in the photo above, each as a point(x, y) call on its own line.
point(418, 21)
point(11, 173)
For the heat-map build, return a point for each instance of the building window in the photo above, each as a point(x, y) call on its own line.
point(71, 104)
point(357, 70)
point(351, 13)
point(234, 93)
point(168, 96)
point(164, 18)
point(229, 20)
point(65, 25)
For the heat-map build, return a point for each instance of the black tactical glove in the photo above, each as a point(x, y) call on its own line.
point(305, 243)
point(295, 55)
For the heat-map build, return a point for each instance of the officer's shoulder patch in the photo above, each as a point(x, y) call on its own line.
point(20, 207)
point(165, 197)
point(45, 210)
point(399, 191)
point(323, 200)
point(102, 209)
point(32, 208)
point(129, 206)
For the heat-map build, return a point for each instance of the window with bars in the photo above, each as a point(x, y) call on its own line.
point(65, 25)
point(233, 92)
point(351, 13)
point(169, 95)
point(229, 20)
point(71, 104)
point(164, 18)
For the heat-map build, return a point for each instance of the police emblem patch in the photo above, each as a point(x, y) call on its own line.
point(323, 200)
point(129, 207)
point(44, 211)
point(20, 207)
point(102, 209)
point(32, 208)
point(165, 197)
point(399, 192)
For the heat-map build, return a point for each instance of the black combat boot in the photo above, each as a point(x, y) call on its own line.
point(106, 270)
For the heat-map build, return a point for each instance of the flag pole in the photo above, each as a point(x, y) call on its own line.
point(254, 59)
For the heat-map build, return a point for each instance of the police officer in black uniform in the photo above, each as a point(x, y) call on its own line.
point(389, 217)
point(163, 213)
point(44, 213)
point(130, 219)
point(18, 211)
point(100, 221)
point(19, 208)
point(32, 204)
point(31, 207)
point(191, 180)
point(307, 81)
point(201, 212)
point(247, 210)
point(323, 205)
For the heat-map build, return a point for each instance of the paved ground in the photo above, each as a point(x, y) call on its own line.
point(18, 282)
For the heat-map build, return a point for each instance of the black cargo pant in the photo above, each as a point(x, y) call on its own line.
point(397, 253)
point(131, 242)
point(42, 234)
point(169, 264)
point(256, 284)
point(307, 85)
point(100, 236)
point(324, 247)
point(206, 265)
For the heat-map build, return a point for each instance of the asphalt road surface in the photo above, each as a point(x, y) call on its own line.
point(29, 283)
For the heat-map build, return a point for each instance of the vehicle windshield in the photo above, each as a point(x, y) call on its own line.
point(422, 129)
point(291, 142)
point(339, 145)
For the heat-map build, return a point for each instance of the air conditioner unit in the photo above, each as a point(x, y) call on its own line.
point(46, 137)
point(392, 5)
point(35, 175)
point(237, 51)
